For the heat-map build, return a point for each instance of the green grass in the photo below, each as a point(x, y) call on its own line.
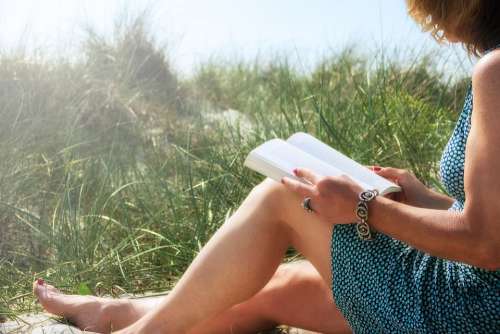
point(114, 171)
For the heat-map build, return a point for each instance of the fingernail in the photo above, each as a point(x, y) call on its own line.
point(40, 281)
point(377, 168)
point(282, 180)
point(295, 171)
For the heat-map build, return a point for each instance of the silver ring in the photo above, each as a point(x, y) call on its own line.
point(306, 204)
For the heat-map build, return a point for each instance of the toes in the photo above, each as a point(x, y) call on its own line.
point(40, 288)
point(51, 299)
point(40, 291)
point(36, 283)
point(40, 283)
point(36, 288)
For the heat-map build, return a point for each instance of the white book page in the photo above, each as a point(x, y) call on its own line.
point(330, 156)
point(277, 158)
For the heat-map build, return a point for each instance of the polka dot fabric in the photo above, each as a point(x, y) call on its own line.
point(453, 158)
point(386, 286)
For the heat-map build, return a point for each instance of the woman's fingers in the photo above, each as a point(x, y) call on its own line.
point(374, 168)
point(305, 190)
point(393, 174)
point(390, 172)
point(307, 174)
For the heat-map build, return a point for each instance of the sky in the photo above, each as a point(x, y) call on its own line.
point(195, 30)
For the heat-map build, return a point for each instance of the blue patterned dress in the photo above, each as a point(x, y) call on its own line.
point(386, 286)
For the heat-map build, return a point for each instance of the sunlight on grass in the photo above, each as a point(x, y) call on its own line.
point(114, 172)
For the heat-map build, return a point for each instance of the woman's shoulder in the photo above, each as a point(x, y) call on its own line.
point(488, 67)
point(486, 77)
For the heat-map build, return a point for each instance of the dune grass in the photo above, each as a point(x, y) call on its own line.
point(114, 171)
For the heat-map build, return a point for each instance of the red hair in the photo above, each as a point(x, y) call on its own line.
point(476, 23)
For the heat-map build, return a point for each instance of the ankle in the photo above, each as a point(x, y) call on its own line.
point(118, 313)
point(159, 323)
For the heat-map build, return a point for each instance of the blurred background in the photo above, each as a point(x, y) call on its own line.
point(195, 30)
point(125, 124)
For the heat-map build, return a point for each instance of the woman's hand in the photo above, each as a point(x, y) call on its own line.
point(414, 192)
point(333, 198)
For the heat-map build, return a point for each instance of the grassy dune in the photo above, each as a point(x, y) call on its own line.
point(114, 171)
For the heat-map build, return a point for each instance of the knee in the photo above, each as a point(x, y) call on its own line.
point(292, 284)
point(293, 280)
point(299, 275)
point(268, 187)
point(271, 196)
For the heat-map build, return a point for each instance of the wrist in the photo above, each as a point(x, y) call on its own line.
point(362, 212)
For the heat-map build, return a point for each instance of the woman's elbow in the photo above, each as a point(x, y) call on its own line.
point(485, 241)
point(487, 256)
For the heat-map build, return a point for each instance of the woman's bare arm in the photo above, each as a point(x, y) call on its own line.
point(437, 200)
point(470, 236)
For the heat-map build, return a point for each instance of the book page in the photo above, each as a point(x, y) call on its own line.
point(277, 158)
point(330, 156)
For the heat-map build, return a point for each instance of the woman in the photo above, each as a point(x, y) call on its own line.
point(431, 268)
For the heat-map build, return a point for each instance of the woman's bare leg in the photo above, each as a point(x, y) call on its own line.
point(296, 296)
point(241, 258)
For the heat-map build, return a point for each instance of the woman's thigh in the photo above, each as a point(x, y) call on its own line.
point(307, 234)
point(312, 238)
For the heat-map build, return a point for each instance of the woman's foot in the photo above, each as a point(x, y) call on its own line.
point(94, 314)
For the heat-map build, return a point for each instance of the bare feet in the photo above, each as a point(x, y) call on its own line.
point(94, 314)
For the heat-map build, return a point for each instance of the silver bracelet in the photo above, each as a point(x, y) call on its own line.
point(362, 227)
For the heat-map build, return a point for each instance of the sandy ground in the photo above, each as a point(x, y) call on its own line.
point(42, 323)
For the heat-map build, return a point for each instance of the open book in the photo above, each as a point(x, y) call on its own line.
point(277, 158)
